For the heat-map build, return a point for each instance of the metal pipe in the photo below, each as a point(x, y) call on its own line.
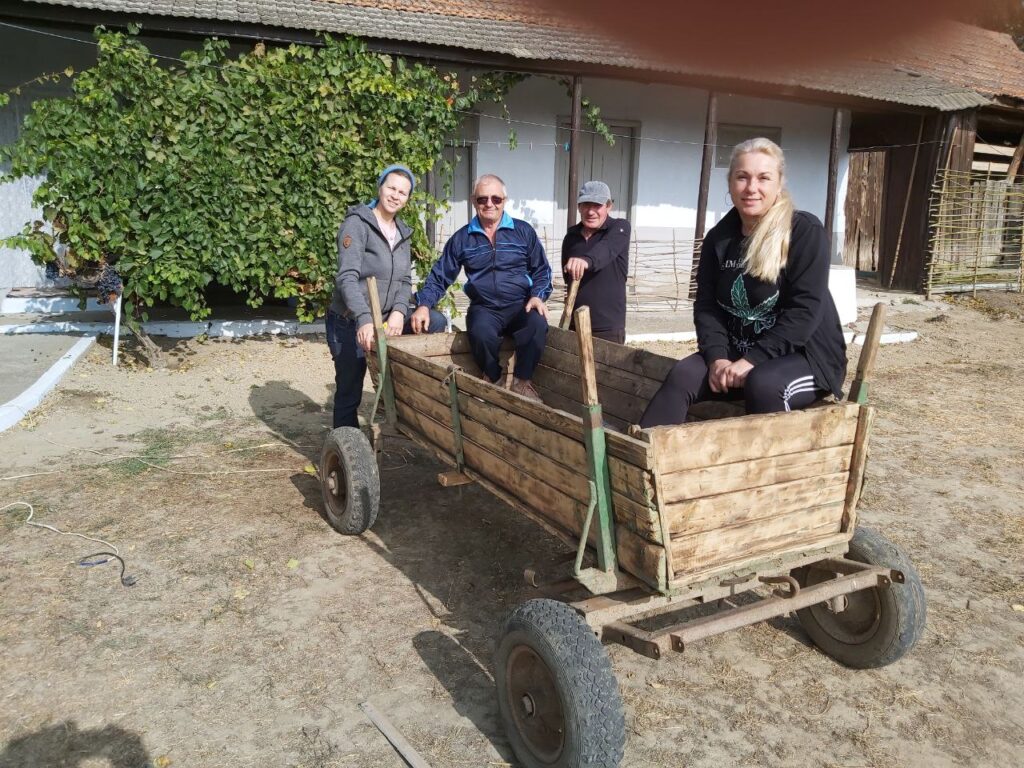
point(772, 607)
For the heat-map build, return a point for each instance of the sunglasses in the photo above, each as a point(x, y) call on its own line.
point(495, 200)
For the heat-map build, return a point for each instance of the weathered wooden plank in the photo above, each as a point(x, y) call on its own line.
point(607, 376)
point(725, 545)
point(544, 500)
point(725, 478)
point(486, 432)
point(631, 481)
point(641, 558)
point(621, 405)
point(858, 465)
point(629, 359)
point(413, 433)
point(782, 559)
point(439, 344)
point(764, 504)
point(621, 446)
point(710, 443)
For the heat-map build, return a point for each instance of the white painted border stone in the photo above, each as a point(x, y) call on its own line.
point(15, 410)
point(48, 305)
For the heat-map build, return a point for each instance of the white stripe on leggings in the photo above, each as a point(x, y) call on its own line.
point(795, 387)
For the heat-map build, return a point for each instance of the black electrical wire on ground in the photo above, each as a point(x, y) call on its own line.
point(127, 581)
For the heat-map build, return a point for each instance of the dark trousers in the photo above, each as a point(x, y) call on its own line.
point(486, 326)
point(619, 336)
point(780, 384)
point(350, 364)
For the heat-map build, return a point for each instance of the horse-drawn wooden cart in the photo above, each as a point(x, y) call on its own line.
point(662, 520)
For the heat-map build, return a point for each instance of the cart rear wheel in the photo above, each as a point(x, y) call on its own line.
point(556, 690)
point(349, 481)
point(878, 625)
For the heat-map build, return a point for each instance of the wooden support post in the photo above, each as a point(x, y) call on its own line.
point(453, 398)
point(868, 352)
point(594, 439)
point(570, 303)
point(833, 173)
point(906, 203)
point(706, 162)
point(387, 388)
point(574, 149)
point(430, 223)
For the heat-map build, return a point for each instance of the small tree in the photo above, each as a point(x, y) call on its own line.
point(229, 171)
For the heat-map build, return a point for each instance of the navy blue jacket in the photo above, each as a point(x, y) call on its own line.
point(510, 272)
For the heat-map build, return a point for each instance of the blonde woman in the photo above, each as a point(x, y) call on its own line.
point(767, 328)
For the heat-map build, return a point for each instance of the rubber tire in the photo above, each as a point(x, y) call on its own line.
point(899, 610)
point(346, 449)
point(594, 718)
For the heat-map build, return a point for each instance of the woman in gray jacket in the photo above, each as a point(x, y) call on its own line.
point(372, 241)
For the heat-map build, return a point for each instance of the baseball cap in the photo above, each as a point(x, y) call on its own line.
point(594, 192)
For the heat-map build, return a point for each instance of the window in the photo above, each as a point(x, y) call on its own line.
point(729, 135)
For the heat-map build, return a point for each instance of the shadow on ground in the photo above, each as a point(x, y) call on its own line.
point(65, 745)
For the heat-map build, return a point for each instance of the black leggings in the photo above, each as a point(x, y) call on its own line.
point(780, 384)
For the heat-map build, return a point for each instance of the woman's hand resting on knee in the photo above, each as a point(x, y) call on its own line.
point(723, 375)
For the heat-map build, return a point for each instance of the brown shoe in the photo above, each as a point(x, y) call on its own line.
point(525, 388)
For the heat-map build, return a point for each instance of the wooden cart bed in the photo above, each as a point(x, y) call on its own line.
point(693, 503)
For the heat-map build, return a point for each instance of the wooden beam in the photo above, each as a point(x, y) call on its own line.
point(706, 162)
point(833, 173)
point(574, 149)
point(1018, 155)
point(429, 183)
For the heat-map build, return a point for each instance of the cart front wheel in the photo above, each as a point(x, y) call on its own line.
point(349, 481)
point(872, 627)
point(556, 690)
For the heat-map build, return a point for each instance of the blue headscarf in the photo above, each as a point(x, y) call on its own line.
point(394, 168)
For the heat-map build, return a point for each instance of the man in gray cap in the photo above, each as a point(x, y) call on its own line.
point(596, 253)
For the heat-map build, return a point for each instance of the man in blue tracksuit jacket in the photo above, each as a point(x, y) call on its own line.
point(508, 279)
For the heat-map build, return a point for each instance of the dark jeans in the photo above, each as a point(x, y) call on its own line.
point(780, 384)
point(350, 364)
point(486, 326)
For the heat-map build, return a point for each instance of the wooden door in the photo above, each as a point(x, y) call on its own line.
point(864, 210)
point(599, 161)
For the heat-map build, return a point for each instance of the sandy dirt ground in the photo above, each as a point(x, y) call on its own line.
point(254, 631)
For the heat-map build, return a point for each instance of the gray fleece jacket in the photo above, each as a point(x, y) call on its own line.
point(363, 250)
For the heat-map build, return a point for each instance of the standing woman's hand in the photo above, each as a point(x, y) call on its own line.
point(396, 321)
point(364, 336)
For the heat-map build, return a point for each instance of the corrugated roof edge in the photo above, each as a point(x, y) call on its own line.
point(540, 43)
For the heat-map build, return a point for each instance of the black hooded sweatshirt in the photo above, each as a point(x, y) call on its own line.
point(738, 315)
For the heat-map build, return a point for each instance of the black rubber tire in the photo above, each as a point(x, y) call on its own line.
point(879, 625)
point(551, 669)
point(349, 481)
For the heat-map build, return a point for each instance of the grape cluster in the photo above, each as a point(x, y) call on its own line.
point(52, 270)
point(109, 285)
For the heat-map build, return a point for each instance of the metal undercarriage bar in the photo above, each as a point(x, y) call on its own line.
point(853, 577)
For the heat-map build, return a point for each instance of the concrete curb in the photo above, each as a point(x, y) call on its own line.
point(178, 329)
point(15, 410)
point(237, 329)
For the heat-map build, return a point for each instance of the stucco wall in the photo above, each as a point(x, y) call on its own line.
point(669, 145)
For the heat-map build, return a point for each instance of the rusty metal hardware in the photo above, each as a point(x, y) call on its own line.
point(794, 585)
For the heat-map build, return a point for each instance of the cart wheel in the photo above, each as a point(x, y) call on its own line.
point(349, 481)
point(556, 690)
point(878, 625)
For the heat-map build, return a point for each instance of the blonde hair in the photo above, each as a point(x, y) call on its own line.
point(768, 247)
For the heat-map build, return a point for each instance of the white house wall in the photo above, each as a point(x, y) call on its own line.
point(671, 135)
